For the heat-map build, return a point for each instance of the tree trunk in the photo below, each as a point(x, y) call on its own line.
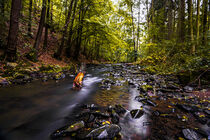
point(133, 31)
point(181, 24)
point(79, 31)
point(170, 20)
point(198, 22)
point(13, 31)
point(190, 24)
point(40, 29)
point(138, 25)
point(46, 26)
point(69, 43)
point(30, 17)
point(134, 42)
point(2, 7)
point(65, 30)
point(51, 16)
point(205, 10)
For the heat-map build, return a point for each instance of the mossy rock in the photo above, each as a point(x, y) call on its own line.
point(146, 87)
point(50, 69)
point(18, 76)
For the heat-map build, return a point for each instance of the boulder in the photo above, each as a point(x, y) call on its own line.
point(11, 64)
point(67, 130)
point(136, 113)
point(190, 134)
point(3, 81)
point(119, 109)
point(105, 132)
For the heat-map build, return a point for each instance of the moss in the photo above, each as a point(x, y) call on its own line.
point(146, 87)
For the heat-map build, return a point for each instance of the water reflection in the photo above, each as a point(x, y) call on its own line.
point(135, 128)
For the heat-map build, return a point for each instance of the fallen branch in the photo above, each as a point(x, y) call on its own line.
point(198, 78)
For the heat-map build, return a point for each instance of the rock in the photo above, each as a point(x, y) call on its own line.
point(156, 113)
point(64, 131)
point(114, 117)
point(207, 112)
point(188, 89)
point(140, 99)
point(104, 132)
point(3, 81)
point(186, 108)
point(11, 64)
point(200, 117)
point(119, 109)
point(136, 113)
point(190, 134)
point(90, 106)
point(44, 78)
point(146, 123)
point(101, 114)
point(149, 102)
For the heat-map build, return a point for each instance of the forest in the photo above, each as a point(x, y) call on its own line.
point(105, 69)
point(168, 33)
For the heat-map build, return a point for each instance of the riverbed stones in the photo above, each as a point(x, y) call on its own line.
point(4, 81)
point(104, 132)
point(190, 134)
point(136, 113)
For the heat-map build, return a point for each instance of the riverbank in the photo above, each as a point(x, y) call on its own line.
point(25, 71)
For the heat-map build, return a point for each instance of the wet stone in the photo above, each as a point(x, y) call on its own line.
point(105, 132)
point(190, 134)
point(156, 113)
point(120, 109)
point(64, 131)
point(149, 102)
point(140, 99)
point(185, 107)
point(136, 113)
point(114, 117)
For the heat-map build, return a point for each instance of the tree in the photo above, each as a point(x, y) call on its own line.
point(13, 31)
point(170, 20)
point(198, 22)
point(2, 7)
point(181, 22)
point(79, 31)
point(69, 41)
point(190, 25)
point(30, 17)
point(40, 29)
point(47, 25)
point(65, 30)
point(205, 11)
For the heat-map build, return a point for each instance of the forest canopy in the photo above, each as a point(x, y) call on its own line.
point(169, 34)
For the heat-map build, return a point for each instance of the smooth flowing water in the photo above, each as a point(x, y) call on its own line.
point(35, 110)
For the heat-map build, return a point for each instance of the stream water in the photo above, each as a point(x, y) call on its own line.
point(34, 110)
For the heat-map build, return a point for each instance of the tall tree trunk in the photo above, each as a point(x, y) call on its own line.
point(51, 16)
point(47, 26)
point(2, 7)
point(205, 10)
point(198, 22)
point(170, 20)
point(40, 29)
point(65, 30)
point(69, 42)
point(79, 31)
point(30, 17)
point(13, 31)
point(133, 31)
point(147, 7)
point(190, 24)
point(181, 24)
point(138, 24)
